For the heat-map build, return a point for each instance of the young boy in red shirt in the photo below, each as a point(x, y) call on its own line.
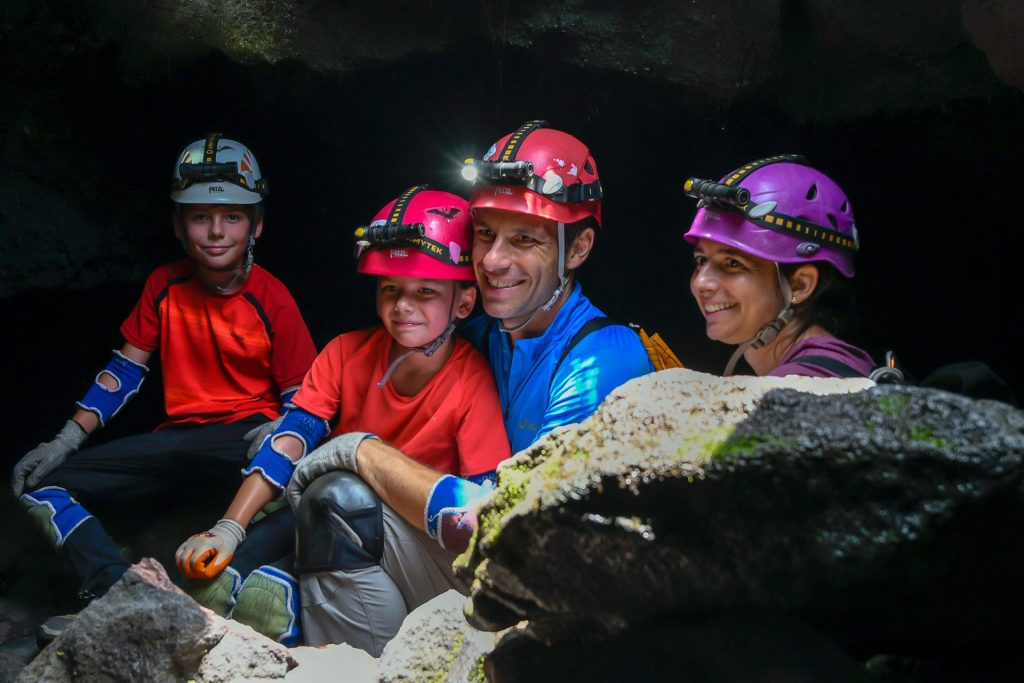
point(411, 382)
point(233, 346)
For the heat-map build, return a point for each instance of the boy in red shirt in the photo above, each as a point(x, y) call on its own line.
point(233, 346)
point(410, 382)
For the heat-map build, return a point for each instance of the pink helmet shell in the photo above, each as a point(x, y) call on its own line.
point(445, 251)
point(798, 191)
point(556, 155)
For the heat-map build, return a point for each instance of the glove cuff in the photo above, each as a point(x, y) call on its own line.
point(231, 528)
point(72, 434)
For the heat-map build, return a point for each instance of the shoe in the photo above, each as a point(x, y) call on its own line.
point(48, 631)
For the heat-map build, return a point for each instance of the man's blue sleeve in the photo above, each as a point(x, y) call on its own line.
point(599, 363)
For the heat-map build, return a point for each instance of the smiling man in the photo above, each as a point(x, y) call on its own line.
point(536, 210)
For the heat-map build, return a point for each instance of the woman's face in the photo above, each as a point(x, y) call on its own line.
point(737, 293)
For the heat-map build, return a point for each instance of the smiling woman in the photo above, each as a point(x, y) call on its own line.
point(774, 244)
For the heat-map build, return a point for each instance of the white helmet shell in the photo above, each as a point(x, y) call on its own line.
point(217, 170)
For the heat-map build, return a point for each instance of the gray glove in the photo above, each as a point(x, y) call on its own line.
point(337, 454)
point(46, 457)
point(257, 435)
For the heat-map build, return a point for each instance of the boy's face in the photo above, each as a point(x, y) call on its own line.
point(415, 311)
point(215, 235)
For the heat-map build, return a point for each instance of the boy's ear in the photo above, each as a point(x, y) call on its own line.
point(467, 299)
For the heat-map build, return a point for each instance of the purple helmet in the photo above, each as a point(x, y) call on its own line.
point(779, 209)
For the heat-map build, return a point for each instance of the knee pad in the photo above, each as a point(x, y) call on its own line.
point(269, 602)
point(54, 512)
point(340, 525)
point(217, 594)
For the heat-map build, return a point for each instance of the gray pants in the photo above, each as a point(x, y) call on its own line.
point(365, 607)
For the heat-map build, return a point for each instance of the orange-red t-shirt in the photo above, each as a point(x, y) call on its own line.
point(453, 424)
point(224, 358)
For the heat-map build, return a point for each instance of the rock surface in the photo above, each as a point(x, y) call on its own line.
point(147, 629)
point(687, 494)
point(436, 643)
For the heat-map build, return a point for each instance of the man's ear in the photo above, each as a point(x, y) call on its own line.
point(466, 299)
point(579, 250)
point(803, 282)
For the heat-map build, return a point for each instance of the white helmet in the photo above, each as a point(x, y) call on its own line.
point(217, 170)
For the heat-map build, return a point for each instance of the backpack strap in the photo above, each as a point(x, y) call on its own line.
point(592, 325)
point(836, 367)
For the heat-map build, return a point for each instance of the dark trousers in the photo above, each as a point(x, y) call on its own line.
point(160, 472)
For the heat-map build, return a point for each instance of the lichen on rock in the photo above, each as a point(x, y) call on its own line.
point(687, 493)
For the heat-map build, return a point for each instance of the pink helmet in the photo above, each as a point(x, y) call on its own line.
point(423, 233)
point(780, 209)
point(539, 171)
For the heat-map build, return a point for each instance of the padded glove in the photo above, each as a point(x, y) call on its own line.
point(337, 454)
point(257, 435)
point(206, 555)
point(46, 457)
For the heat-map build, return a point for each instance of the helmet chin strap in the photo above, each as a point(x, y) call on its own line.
point(563, 280)
point(771, 330)
point(427, 350)
point(242, 272)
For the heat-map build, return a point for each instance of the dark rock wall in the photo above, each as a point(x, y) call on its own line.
point(914, 107)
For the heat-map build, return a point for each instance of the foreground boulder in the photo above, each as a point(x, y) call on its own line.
point(890, 512)
point(147, 629)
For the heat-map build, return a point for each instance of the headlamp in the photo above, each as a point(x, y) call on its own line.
point(716, 194)
point(498, 171)
point(212, 172)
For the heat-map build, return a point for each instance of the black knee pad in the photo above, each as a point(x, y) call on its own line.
point(340, 525)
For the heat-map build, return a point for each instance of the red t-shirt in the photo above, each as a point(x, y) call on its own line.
point(452, 425)
point(224, 358)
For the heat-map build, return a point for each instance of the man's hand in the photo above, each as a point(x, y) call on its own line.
point(46, 457)
point(337, 454)
point(205, 555)
point(456, 528)
point(257, 435)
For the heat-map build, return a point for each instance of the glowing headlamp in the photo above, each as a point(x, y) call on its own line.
point(498, 171)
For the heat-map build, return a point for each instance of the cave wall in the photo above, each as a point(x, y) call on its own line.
point(914, 107)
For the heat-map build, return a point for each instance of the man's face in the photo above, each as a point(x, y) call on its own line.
point(515, 258)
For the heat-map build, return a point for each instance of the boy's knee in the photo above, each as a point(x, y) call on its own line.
point(54, 512)
point(269, 602)
point(218, 594)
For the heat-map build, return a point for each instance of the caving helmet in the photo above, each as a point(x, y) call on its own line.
point(780, 209)
point(217, 170)
point(539, 171)
point(422, 233)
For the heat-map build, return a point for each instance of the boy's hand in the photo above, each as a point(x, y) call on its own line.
point(337, 454)
point(205, 555)
point(257, 435)
point(46, 457)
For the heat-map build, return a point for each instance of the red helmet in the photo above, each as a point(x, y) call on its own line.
point(422, 233)
point(538, 171)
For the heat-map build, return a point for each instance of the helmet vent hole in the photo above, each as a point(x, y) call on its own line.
point(812, 192)
point(845, 208)
point(588, 167)
point(833, 221)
